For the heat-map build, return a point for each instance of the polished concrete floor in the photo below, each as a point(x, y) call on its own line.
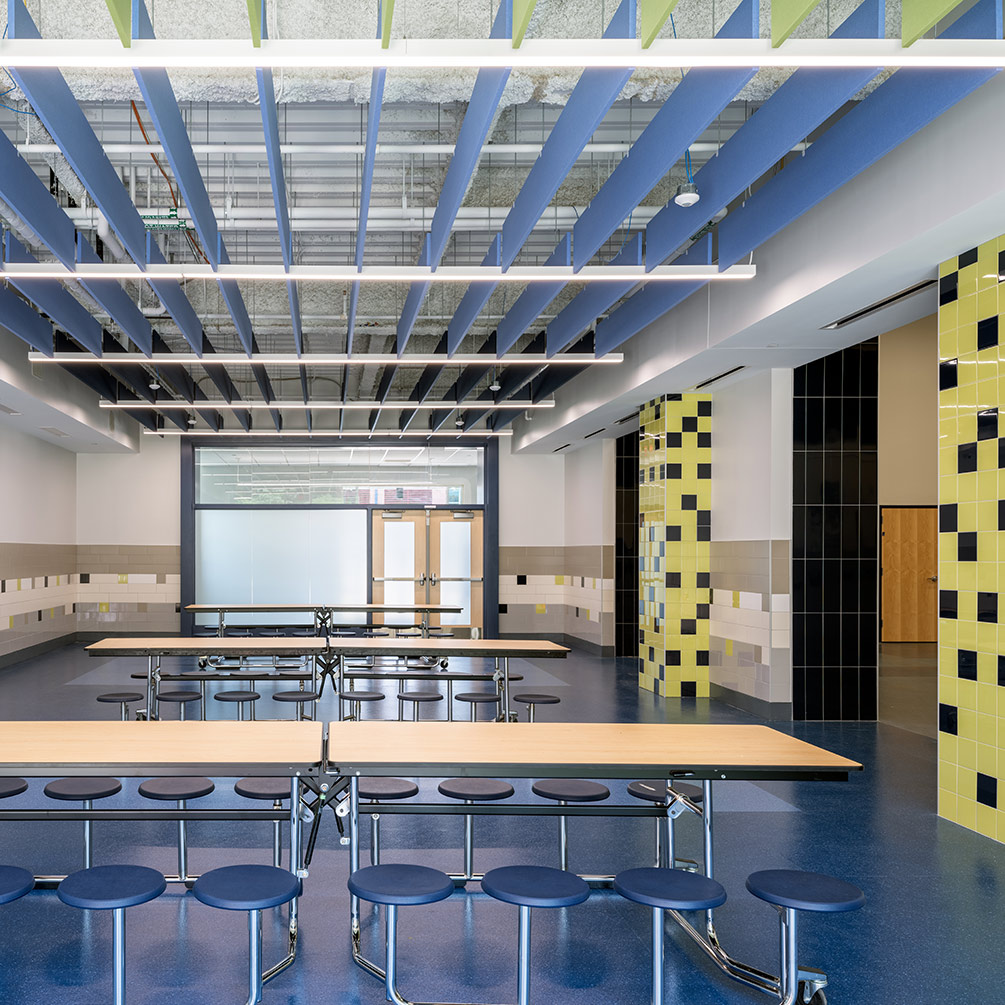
point(929, 933)
point(909, 686)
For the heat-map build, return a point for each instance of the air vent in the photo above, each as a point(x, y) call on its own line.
point(9, 411)
point(721, 376)
point(596, 432)
point(878, 306)
point(562, 447)
point(53, 431)
point(627, 418)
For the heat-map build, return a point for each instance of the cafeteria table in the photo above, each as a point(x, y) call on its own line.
point(698, 752)
point(227, 749)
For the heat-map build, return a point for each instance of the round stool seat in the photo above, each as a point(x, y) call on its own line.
point(107, 887)
point(80, 788)
point(363, 696)
point(655, 792)
point(273, 788)
point(300, 633)
point(246, 887)
point(475, 788)
point(117, 697)
point(296, 696)
point(14, 883)
point(672, 889)
point(176, 788)
point(805, 891)
point(536, 699)
point(12, 787)
point(570, 790)
point(402, 885)
point(478, 697)
point(178, 696)
point(137, 676)
point(236, 696)
point(535, 886)
point(387, 788)
point(420, 695)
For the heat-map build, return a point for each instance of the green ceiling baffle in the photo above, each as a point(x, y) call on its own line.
point(654, 16)
point(786, 16)
point(256, 14)
point(386, 13)
point(522, 10)
point(122, 16)
point(919, 16)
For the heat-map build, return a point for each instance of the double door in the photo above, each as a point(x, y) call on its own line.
point(430, 557)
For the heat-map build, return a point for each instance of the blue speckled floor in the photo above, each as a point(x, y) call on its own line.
point(931, 931)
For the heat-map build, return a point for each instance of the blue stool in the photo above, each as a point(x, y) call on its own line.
point(669, 795)
point(113, 888)
point(791, 891)
point(530, 886)
point(14, 883)
point(473, 790)
point(178, 790)
point(378, 790)
point(667, 890)
point(251, 888)
point(569, 790)
point(276, 789)
point(85, 790)
point(396, 886)
point(12, 787)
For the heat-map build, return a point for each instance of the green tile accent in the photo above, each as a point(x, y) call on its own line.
point(122, 17)
point(787, 15)
point(918, 16)
point(654, 16)
point(522, 10)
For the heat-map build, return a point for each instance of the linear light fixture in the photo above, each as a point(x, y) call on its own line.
point(379, 273)
point(879, 305)
point(353, 434)
point(321, 406)
point(533, 54)
point(328, 359)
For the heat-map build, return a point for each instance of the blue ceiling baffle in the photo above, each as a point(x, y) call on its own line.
point(533, 300)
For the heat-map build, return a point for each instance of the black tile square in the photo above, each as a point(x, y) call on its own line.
point(673, 658)
point(521, 580)
point(704, 470)
point(968, 258)
point(987, 333)
point(948, 374)
point(1001, 452)
point(673, 533)
point(85, 577)
point(987, 424)
point(703, 581)
point(948, 604)
point(704, 408)
point(704, 439)
point(689, 424)
point(987, 607)
point(987, 790)
point(948, 288)
point(704, 534)
point(948, 515)
point(673, 580)
point(1001, 514)
point(1001, 265)
point(966, 457)
point(1001, 671)
point(504, 608)
point(704, 518)
point(688, 502)
point(702, 612)
point(673, 471)
point(814, 693)
point(948, 719)
point(688, 626)
point(966, 546)
point(966, 664)
point(688, 689)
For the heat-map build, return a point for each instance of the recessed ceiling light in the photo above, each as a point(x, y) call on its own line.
point(9, 411)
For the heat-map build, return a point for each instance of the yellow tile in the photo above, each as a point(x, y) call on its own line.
point(540, 608)
point(1000, 827)
point(987, 635)
point(948, 690)
point(947, 268)
point(966, 631)
point(987, 489)
point(967, 302)
point(966, 578)
point(966, 758)
point(949, 746)
point(987, 822)
point(966, 784)
point(987, 455)
point(987, 729)
point(966, 515)
point(987, 299)
point(948, 805)
point(987, 758)
point(947, 775)
point(967, 722)
point(102, 608)
point(987, 677)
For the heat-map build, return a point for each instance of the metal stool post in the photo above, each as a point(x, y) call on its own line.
point(118, 955)
point(563, 839)
point(88, 837)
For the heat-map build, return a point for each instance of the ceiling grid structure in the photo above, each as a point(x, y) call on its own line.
point(277, 209)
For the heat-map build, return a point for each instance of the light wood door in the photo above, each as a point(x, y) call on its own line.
point(400, 562)
point(909, 562)
point(455, 567)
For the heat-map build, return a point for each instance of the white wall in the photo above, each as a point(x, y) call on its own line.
point(37, 490)
point(130, 498)
point(752, 451)
point(589, 494)
point(531, 499)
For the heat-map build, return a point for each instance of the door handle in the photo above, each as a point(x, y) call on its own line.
point(432, 579)
point(933, 579)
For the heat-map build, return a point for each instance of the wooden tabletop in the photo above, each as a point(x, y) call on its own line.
point(207, 646)
point(164, 748)
point(592, 750)
point(310, 608)
point(447, 647)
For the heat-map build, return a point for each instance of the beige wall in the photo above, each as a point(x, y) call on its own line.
point(909, 415)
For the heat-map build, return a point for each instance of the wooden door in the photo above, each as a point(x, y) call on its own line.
point(909, 565)
point(456, 567)
point(400, 562)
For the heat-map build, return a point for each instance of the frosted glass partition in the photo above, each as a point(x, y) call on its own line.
point(399, 563)
point(345, 475)
point(284, 556)
point(455, 563)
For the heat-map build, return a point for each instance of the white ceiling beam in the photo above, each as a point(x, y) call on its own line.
point(332, 359)
point(324, 406)
point(534, 54)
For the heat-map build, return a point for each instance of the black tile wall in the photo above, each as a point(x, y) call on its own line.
point(626, 546)
point(835, 536)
